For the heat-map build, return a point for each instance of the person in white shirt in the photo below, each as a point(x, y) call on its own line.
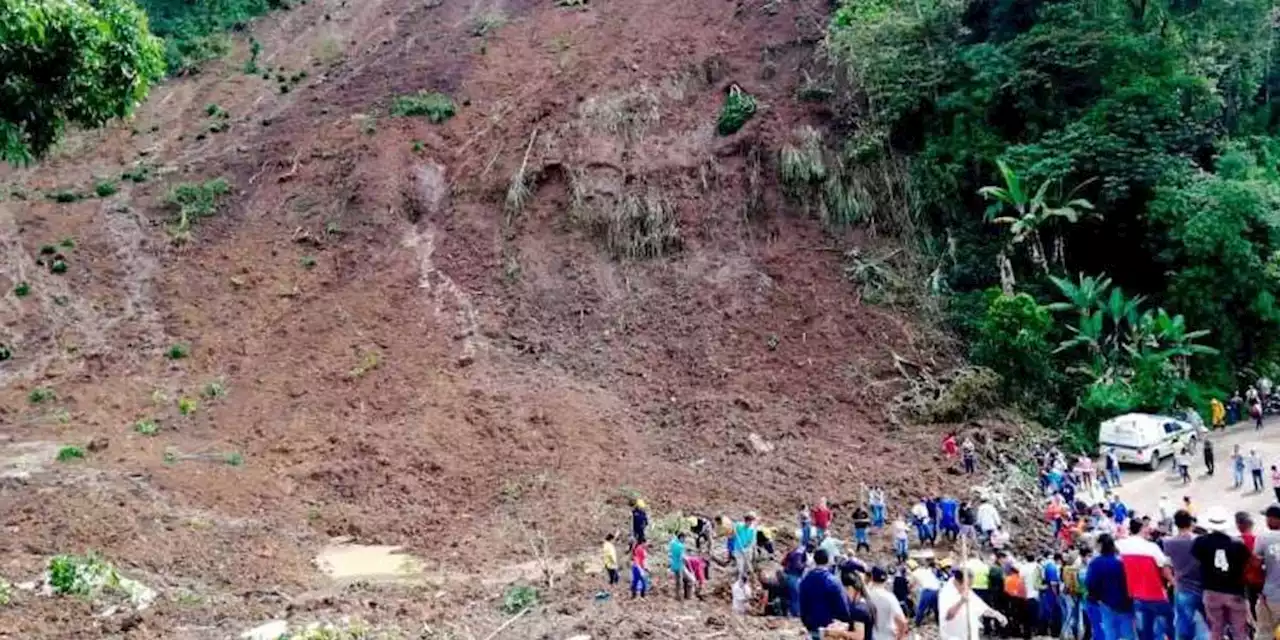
point(999, 539)
point(988, 518)
point(960, 610)
point(900, 539)
point(1165, 509)
point(741, 592)
point(891, 622)
point(925, 583)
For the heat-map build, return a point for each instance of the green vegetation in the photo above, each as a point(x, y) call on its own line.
point(187, 406)
point(67, 243)
point(64, 196)
point(58, 265)
point(488, 23)
point(215, 389)
point(194, 200)
point(69, 453)
point(178, 351)
point(255, 50)
point(437, 107)
point(104, 188)
point(138, 173)
point(193, 32)
point(146, 427)
point(41, 394)
point(76, 62)
point(233, 458)
point(22, 289)
point(518, 598)
point(307, 262)
point(1096, 183)
point(738, 108)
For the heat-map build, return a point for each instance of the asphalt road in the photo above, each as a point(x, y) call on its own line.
point(1141, 489)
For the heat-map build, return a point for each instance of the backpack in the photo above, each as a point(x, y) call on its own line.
point(1071, 580)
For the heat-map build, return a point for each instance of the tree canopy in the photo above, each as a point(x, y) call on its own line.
point(78, 61)
point(1155, 118)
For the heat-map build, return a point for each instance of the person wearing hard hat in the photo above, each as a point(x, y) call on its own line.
point(639, 521)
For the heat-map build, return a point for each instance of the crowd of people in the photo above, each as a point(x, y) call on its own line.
point(1097, 571)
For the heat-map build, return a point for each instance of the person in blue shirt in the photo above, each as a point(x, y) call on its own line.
point(822, 599)
point(675, 561)
point(639, 521)
point(1105, 584)
point(1118, 510)
point(1050, 595)
point(793, 566)
point(948, 521)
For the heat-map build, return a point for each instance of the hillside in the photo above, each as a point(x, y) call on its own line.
point(377, 342)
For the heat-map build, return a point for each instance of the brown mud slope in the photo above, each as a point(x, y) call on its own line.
point(403, 354)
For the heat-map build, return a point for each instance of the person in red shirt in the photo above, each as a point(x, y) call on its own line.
point(821, 517)
point(949, 446)
point(1147, 570)
point(697, 565)
point(639, 570)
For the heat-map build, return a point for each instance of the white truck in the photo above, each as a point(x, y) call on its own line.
point(1145, 439)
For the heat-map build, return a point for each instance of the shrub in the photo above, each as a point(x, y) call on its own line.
point(437, 107)
point(69, 453)
point(307, 262)
point(22, 290)
point(195, 200)
point(488, 23)
point(187, 406)
point(64, 196)
point(178, 351)
point(1013, 340)
point(59, 266)
point(146, 427)
point(137, 174)
point(738, 108)
point(233, 458)
point(105, 188)
point(40, 394)
point(215, 389)
point(518, 598)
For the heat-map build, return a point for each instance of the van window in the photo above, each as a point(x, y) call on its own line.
point(1172, 427)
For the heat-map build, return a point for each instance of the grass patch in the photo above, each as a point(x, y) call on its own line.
point(69, 453)
point(68, 243)
point(58, 266)
point(146, 427)
point(193, 31)
point(64, 196)
point(437, 107)
point(488, 23)
point(137, 174)
point(187, 406)
point(307, 262)
point(518, 598)
point(233, 458)
point(255, 49)
point(370, 361)
point(40, 395)
point(194, 200)
point(214, 390)
point(105, 188)
point(22, 290)
point(178, 351)
point(739, 107)
point(627, 114)
point(634, 226)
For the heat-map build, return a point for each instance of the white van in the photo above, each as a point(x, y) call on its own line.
point(1145, 439)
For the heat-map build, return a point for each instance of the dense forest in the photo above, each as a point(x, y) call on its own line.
point(1097, 180)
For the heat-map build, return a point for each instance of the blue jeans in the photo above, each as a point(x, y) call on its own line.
point(804, 534)
point(877, 515)
point(1115, 625)
point(1113, 475)
point(1093, 617)
point(1050, 613)
point(1155, 619)
point(639, 582)
point(860, 537)
point(900, 547)
point(1188, 617)
point(1070, 616)
point(928, 603)
point(1237, 474)
point(793, 594)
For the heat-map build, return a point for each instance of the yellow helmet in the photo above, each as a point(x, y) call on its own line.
point(640, 503)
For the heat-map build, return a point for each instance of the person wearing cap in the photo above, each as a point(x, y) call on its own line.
point(1222, 563)
point(860, 625)
point(1188, 590)
point(1147, 571)
point(960, 610)
point(639, 521)
point(793, 566)
point(1266, 549)
point(890, 621)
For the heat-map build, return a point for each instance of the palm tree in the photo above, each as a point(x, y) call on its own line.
point(1032, 213)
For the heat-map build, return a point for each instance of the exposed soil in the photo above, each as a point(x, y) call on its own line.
point(450, 375)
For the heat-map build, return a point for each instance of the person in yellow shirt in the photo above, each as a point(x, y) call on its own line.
point(609, 555)
point(1219, 412)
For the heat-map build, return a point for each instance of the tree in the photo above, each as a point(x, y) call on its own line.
point(78, 61)
point(1033, 213)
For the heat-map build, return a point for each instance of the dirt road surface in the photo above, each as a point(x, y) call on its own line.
point(1141, 489)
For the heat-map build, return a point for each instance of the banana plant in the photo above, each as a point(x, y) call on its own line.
point(1032, 213)
point(1084, 296)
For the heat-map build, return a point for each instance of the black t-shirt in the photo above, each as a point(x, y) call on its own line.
point(861, 612)
point(1222, 562)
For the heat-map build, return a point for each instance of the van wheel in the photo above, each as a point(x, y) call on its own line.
point(1155, 461)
